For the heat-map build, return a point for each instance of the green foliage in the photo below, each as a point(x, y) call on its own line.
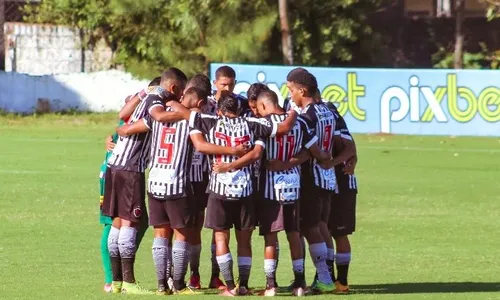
point(150, 35)
point(485, 59)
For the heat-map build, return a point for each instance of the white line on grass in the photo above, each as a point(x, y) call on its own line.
point(473, 150)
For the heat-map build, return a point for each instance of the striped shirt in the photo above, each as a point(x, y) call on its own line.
point(285, 185)
point(231, 132)
point(321, 121)
point(345, 182)
point(131, 152)
point(211, 107)
point(171, 156)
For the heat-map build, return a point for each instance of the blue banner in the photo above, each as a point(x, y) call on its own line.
point(398, 101)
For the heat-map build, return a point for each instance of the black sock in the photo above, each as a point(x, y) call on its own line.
point(270, 282)
point(116, 268)
point(300, 279)
point(342, 271)
point(128, 270)
point(179, 284)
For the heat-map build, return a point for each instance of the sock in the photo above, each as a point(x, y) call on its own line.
point(194, 258)
point(160, 250)
point(114, 254)
point(330, 257)
point(277, 261)
point(318, 254)
point(303, 242)
point(244, 268)
point(342, 260)
point(298, 271)
point(126, 246)
point(169, 265)
point(225, 262)
point(180, 260)
point(270, 270)
point(106, 261)
point(215, 264)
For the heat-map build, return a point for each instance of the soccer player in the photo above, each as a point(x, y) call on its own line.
point(316, 180)
point(124, 190)
point(278, 209)
point(230, 201)
point(342, 220)
point(225, 81)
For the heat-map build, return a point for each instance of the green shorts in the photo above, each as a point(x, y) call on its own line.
point(105, 220)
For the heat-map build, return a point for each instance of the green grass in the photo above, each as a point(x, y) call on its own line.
point(428, 215)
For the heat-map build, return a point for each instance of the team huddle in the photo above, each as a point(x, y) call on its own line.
point(221, 161)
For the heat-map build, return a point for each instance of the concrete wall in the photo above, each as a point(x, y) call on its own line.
point(39, 49)
point(98, 92)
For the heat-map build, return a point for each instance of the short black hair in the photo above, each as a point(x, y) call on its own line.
point(270, 96)
point(200, 93)
point(229, 104)
point(302, 77)
point(155, 82)
point(225, 71)
point(201, 81)
point(254, 90)
point(174, 74)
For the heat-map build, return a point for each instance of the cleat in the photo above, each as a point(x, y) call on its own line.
point(135, 289)
point(243, 291)
point(340, 288)
point(194, 282)
point(323, 287)
point(108, 288)
point(216, 283)
point(161, 291)
point(270, 292)
point(228, 293)
point(299, 292)
point(186, 291)
point(116, 287)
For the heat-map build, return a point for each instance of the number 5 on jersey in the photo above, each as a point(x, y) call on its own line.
point(166, 145)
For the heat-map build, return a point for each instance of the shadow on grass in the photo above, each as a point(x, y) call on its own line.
point(426, 288)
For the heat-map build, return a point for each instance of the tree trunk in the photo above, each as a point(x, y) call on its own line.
point(286, 35)
point(2, 36)
point(459, 35)
point(443, 8)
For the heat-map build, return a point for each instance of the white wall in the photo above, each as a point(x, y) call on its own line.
point(98, 92)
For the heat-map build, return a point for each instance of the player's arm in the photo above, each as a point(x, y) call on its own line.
point(129, 107)
point(279, 165)
point(248, 159)
point(201, 145)
point(287, 125)
point(180, 110)
point(130, 129)
point(344, 141)
point(159, 114)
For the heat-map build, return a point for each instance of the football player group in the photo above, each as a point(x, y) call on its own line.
point(222, 161)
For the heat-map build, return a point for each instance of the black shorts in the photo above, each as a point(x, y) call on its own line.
point(124, 195)
point(177, 213)
point(200, 195)
point(314, 206)
point(342, 219)
point(274, 216)
point(223, 214)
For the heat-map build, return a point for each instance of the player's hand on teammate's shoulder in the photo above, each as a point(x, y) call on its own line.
point(109, 143)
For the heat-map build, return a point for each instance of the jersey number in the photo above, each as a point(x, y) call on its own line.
point(283, 141)
point(164, 145)
point(231, 142)
point(327, 140)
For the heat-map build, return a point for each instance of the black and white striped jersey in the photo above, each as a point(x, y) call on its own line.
point(171, 156)
point(288, 104)
point(211, 107)
point(199, 166)
point(345, 182)
point(321, 121)
point(131, 152)
point(231, 132)
point(285, 185)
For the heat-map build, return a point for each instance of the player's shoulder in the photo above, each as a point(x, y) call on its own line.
point(266, 121)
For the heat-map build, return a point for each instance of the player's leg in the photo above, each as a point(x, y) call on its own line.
point(291, 221)
point(270, 264)
point(161, 248)
point(310, 227)
point(325, 232)
point(195, 251)
point(244, 224)
point(181, 213)
point(106, 261)
point(219, 219)
point(342, 261)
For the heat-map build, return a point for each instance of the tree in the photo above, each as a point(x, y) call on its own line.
point(286, 35)
point(459, 35)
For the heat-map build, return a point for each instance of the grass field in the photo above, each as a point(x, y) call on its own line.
point(428, 216)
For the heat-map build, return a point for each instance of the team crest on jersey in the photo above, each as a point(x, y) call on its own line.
point(137, 212)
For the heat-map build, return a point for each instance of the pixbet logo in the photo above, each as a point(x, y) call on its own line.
point(487, 103)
